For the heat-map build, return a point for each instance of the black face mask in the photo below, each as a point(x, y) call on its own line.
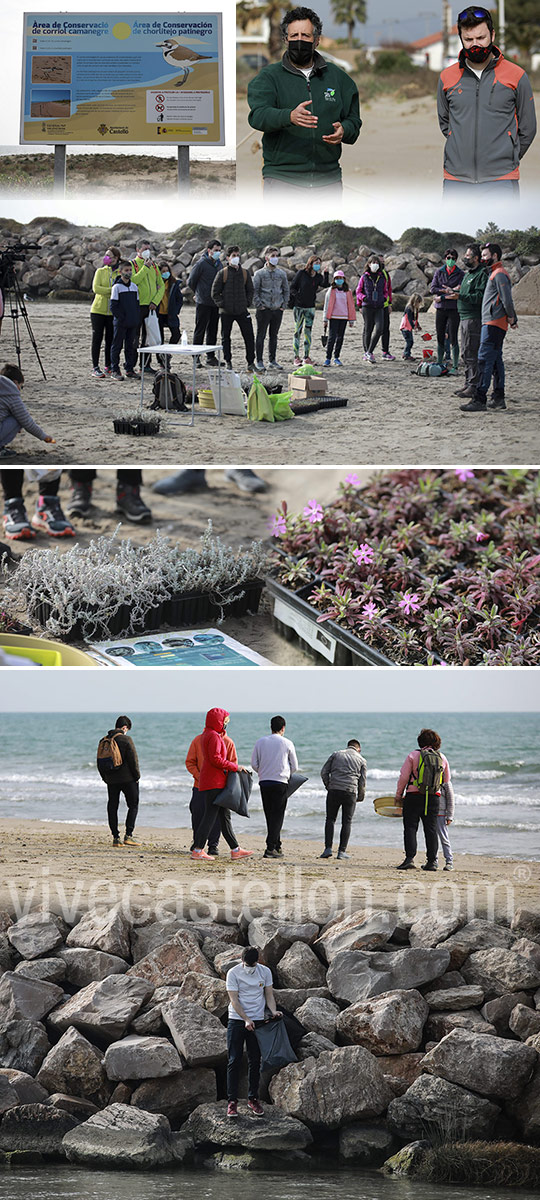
point(300, 53)
point(487, 262)
point(477, 54)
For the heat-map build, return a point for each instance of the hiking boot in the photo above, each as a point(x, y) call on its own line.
point(255, 1107)
point(406, 865)
point(341, 854)
point(495, 402)
point(239, 853)
point(133, 375)
point(429, 867)
point(193, 479)
point(49, 517)
point(388, 357)
point(97, 373)
point(245, 479)
point(129, 840)
point(232, 1108)
point(116, 375)
point(117, 841)
point(211, 360)
point(17, 527)
point(81, 498)
point(275, 365)
point(474, 405)
point(128, 502)
point(201, 855)
point(297, 362)
point(466, 393)
point(327, 853)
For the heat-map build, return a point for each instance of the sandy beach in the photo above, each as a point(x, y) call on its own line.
point(47, 863)
point(391, 416)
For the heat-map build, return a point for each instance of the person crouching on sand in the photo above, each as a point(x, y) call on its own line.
point(418, 794)
point(212, 779)
point(14, 414)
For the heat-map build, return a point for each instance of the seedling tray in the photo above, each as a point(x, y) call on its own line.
point(294, 617)
point(140, 427)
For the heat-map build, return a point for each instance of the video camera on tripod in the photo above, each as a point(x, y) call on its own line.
point(14, 303)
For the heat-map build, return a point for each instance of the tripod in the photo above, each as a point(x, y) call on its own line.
point(14, 306)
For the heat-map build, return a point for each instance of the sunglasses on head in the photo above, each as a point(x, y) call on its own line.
point(480, 13)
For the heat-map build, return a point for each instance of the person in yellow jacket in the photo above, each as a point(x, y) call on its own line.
point(101, 317)
point(147, 276)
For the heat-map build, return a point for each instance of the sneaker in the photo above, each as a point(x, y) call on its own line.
point(327, 362)
point(496, 402)
point(116, 375)
point(276, 366)
point(128, 502)
point(250, 368)
point(429, 866)
point(81, 499)
point(133, 375)
point(448, 867)
point(232, 1108)
point(474, 405)
point(211, 360)
point(279, 852)
point(117, 841)
point(97, 373)
point(260, 366)
point(341, 854)
point(406, 865)
point(49, 517)
point(271, 854)
point(107, 370)
point(245, 479)
point(129, 840)
point(308, 362)
point(191, 479)
point(388, 357)
point(255, 1107)
point(338, 362)
point(371, 358)
point(297, 361)
point(327, 853)
point(213, 852)
point(201, 854)
point(17, 527)
point(465, 393)
point(7, 452)
point(365, 356)
point(150, 371)
point(239, 853)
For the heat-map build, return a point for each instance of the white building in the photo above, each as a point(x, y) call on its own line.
point(428, 51)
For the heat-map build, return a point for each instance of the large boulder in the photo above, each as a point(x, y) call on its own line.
point(75, 1066)
point(177, 1095)
point(527, 294)
point(141, 1058)
point(498, 971)
point(26, 999)
point(74, 1105)
point(39, 1128)
point(312, 1045)
point(122, 1136)
point(439, 1024)
point(366, 1143)
point(498, 1010)
point(300, 967)
point(8, 1095)
point(454, 999)
point(528, 948)
point(28, 1090)
point(319, 1016)
point(145, 938)
point(526, 922)
point(476, 935)
point(491, 1066)
point(356, 975)
point(84, 966)
point(34, 935)
point(168, 964)
point(388, 1024)
point(431, 928)
point(526, 1110)
point(209, 1125)
point(273, 937)
point(524, 1022)
point(207, 991)
point(294, 998)
point(103, 1010)
point(403, 1068)
point(149, 1020)
point(23, 1046)
point(361, 931)
point(108, 931)
point(46, 970)
point(225, 958)
point(435, 1107)
point(198, 1036)
point(334, 1089)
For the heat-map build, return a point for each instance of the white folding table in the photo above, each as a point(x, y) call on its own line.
point(179, 349)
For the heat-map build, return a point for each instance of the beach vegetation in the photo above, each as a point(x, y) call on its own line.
point(477, 1164)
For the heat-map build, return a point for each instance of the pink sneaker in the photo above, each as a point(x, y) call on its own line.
point(297, 362)
point(308, 362)
point(256, 1108)
point(232, 1108)
point(389, 357)
point(201, 854)
point(239, 853)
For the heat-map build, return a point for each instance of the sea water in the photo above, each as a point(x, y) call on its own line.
point(47, 771)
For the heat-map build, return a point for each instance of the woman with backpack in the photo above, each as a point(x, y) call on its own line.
point(371, 294)
point(418, 795)
point(338, 309)
point(303, 294)
point(168, 312)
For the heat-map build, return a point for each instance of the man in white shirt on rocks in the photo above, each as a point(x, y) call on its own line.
point(250, 990)
point(274, 759)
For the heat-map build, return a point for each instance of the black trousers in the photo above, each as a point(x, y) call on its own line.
point(336, 327)
point(130, 791)
point(373, 327)
point(102, 326)
point(12, 484)
point(124, 336)
point(268, 321)
point(414, 811)
point(206, 325)
point(196, 808)
point(163, 322)
point(243, 320)
point(274, 801)
point(346, 801)
point(447, 322)
point(202, 832)
point(237, 1035)
point(385, 340)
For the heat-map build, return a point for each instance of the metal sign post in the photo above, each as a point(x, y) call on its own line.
point(59, 170)
point(184, 180)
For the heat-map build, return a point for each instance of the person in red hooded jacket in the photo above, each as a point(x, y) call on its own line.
point(213, 777)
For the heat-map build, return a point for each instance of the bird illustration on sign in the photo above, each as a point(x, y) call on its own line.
point(182, 58)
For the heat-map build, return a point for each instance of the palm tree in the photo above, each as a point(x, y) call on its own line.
point(349, 12)
point(273, 10)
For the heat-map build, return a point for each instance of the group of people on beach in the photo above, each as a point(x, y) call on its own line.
point(424, 792)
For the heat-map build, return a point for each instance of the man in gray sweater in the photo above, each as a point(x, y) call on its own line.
point(270, 297)
point(14, 414)
point(344, 777)
point(274, 759)
point(498, 313)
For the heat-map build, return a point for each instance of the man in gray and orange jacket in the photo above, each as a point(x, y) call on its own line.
point(498, 313)
point(486, 110)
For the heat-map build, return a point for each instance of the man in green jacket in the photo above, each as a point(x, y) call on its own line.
point(471, 293)
point(147, 276)
point(306, 107)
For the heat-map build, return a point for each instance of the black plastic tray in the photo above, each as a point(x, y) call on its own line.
point(327, 641)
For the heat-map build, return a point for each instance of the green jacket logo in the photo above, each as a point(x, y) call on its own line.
point(330, 94)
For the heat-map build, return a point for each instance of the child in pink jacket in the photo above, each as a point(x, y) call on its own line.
point(338, 309)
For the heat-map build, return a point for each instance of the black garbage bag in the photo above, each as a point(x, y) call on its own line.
point(296, 780)
point(274, 1044)
point(236, 793)
point(294, 1027)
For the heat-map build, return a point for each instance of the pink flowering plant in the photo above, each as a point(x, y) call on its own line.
point(426, 566)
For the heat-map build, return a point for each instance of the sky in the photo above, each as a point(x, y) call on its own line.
point(308, 689)
point(390, 20)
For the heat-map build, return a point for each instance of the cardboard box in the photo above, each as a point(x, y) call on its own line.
point(307, 385)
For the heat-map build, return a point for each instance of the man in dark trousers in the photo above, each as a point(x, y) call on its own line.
point(418, 795)
point(232, 291)
point(344, 777)
point(274, 759)
point(123, 779)
point(200, 281)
